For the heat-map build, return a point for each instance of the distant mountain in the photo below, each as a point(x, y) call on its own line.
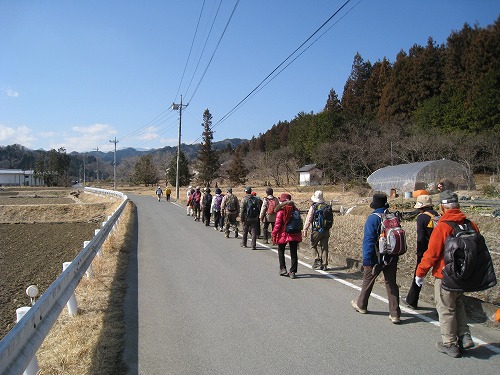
point(190, 150)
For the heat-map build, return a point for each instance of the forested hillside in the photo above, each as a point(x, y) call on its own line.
point(431, 102)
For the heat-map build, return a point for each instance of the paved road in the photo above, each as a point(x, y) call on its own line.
point(197, 303)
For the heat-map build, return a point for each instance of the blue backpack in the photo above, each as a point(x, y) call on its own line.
point(295, 224)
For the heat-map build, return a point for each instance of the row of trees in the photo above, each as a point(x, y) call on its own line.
point(432, 102)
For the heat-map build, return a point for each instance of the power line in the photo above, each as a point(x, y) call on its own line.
point(296, 57)
point(204, 46)
point(240, 103)
point(215, 50)
point(190, 49)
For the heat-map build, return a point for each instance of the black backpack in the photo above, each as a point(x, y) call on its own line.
point(252, 208)
point(467, 260)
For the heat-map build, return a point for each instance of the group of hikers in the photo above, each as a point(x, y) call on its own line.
point(282, 224)
point(277, 219)
point(159, 193)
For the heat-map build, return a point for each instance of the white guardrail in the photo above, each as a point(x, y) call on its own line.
point(18, 348)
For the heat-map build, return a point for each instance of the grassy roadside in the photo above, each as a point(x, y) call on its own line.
point(92, 342)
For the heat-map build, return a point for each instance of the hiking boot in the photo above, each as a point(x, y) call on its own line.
point(405, 301)
point(354, 305)
point(450, 349)
point(283, 272)
point(465, 341)
point(292, 275)
point(394, 319)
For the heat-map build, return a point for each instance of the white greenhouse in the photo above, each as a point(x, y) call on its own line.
point(423, 175)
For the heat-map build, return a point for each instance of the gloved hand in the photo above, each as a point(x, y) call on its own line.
point(419, 281)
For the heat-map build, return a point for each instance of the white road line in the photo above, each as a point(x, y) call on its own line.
point(476, 340)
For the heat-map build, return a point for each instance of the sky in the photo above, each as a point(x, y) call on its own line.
point(84, 74)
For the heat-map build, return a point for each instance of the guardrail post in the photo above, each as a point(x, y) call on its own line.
point(32, 368)
point(99, 253)
point(71, 304)
point(90, 271)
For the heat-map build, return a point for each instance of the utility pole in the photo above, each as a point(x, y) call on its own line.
point(84, 180)
point(114, 165)
point(97, 160)
point(176, 107)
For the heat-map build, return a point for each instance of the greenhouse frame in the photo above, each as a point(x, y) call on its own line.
point(423, 175)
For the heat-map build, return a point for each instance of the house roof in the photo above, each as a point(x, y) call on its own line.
point(306, 168)
point(15, 171)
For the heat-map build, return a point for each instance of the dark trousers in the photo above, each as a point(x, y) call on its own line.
point(293, 255)
point(414, 292)
point(266, 229)
point(252, 227)
point(369, 277)
point(206, 215)
point(218, 222)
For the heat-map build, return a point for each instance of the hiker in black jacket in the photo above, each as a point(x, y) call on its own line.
point(425, 224)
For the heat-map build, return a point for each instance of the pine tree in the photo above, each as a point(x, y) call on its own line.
point(208, 158)
point(145, 172)
point(354, 88)
point(184, 175)
point(237, 171)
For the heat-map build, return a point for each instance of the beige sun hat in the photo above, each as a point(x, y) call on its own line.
point(423, 201)
point(317, 197)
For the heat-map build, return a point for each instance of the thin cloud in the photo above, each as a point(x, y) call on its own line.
point(16, 135)
point(95, 129)
point(12, 93)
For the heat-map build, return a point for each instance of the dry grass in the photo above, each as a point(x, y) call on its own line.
point(92, 342)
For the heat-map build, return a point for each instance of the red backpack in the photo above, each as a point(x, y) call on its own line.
point(271, 205)
point(392, 239)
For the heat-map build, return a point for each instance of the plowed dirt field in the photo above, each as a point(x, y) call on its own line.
point(39, 231)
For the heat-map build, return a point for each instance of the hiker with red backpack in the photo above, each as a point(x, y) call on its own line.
point(374, 263)
point(267, 214)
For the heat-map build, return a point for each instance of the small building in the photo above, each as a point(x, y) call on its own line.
point(310, 175)
point(18, 177)
point(425, 175)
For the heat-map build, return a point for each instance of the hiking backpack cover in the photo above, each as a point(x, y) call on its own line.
point(467, 261)
point(322, 217)
point(295, 224)
point(217, 202)
point(392, 239)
